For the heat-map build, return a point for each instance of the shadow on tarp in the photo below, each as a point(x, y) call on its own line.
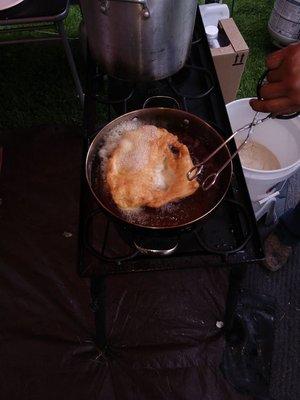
point(250, 329)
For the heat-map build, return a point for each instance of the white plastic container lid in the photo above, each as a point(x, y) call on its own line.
point(211, 31)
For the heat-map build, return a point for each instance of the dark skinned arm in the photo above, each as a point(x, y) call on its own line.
point(281, 94)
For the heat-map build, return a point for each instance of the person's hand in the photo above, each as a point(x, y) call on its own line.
point(281, 94)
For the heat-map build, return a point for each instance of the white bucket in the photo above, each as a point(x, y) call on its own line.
point(281, 137)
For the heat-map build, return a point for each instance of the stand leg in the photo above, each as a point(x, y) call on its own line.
point(64, 38)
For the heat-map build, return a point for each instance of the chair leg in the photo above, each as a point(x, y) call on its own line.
point(64, 38)
point(232, 8)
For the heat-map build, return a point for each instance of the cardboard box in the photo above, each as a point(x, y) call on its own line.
point(230, 60)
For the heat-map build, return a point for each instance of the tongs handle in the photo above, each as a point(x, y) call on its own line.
point(210, 180)
point(197, 169)
point(260, 84)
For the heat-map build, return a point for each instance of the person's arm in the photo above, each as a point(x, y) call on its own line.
point(281, 94)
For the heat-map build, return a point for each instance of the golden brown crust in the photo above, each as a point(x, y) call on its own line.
point(148, 168)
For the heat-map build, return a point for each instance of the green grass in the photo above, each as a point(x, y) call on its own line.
point(252, 18)
point(36, 86)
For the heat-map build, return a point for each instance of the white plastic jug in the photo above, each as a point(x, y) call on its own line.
point(212, 13)
point(284, 22)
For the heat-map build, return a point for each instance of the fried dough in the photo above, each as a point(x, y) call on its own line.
point(148, 168)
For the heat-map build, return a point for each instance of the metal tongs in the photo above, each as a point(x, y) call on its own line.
point(210, 180)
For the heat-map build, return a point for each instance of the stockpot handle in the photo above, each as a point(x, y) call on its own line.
point(104, 5)
point(152, 98)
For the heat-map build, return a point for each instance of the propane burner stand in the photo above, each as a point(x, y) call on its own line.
point(228, 236)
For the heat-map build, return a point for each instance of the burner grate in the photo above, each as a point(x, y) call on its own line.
point(125, 256)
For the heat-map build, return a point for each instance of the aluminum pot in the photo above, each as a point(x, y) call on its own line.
point(139, 40)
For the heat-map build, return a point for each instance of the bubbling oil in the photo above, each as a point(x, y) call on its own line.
point(111, 139)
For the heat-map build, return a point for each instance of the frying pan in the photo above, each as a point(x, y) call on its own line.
point(199, 137)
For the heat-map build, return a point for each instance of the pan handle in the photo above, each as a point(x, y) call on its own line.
point(156, 252)
point(152, 98)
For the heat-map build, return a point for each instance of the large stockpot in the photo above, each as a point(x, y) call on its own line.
point(139, 40)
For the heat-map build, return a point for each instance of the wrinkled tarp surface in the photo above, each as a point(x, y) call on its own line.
point(156, 334)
